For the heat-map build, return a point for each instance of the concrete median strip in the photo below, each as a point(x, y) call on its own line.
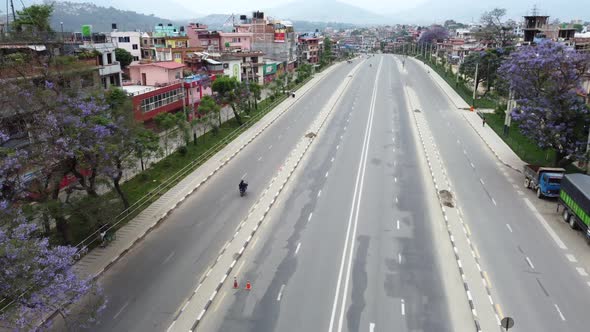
point(478, 294)
point(200, 301)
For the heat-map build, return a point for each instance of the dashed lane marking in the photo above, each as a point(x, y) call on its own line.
point(571, 258)
point(559, 312)
point(280, 292)
point(528, 260)
point(582, 271)
point(121, 310)
point(297, 249)
point(509, 228)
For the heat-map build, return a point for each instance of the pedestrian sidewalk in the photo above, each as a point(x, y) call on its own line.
point(498, 147)
point(99, 259)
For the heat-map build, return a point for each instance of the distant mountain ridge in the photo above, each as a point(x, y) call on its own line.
point(334, 11)
point(74, 15)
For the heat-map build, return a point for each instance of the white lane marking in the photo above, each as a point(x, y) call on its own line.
point(543, 222)
point(260, 158)
point(121, 310)
point(509, 228)
point(341, 136)
point(582, 271)
point(559, 312)
point(588, 283)
point(168, 257)
point(345, 127)
point(399, 258)
point(472, 166)
point(297, 249)
point(254, 243)
point(481, 180)
point(397, 224)
point(337, 146)
point(571, 258)
point(353, 217)
point(464, 152)
point(240, 268)
point(309, 217)
point(396, 199)
point(494, 201)
point(403, 308)
point(332, 160)
point(520, 193)
point(280, 292)
point(244, 176)
point(371, 327)
point(528, 260)
point(394, 163)
point(319, 193)
point(171, 325)
point(270, 147)
point(326, 174)
point(218, 301)
point(395, 179)
point(515, 186)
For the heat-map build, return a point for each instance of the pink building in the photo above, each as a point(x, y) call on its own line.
point(200, 36)
point(155, 73)
point(236, 41)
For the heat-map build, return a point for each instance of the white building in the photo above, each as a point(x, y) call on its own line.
point(129, 41)
point(109, 68)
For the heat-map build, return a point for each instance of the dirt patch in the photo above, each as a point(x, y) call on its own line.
point(446, 198)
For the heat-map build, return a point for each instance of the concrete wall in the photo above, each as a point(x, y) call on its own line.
point(134, 39)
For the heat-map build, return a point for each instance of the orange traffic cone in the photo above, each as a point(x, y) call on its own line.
point(248, 286)
point(236, 283)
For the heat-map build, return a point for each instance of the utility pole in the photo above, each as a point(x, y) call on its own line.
point(13, 12)
point(475, 83)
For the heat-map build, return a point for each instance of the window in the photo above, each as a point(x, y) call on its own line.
point(124, 40)
point(177, 74)
point(177, 55)
point(135, 58)
point(109, 58)
point(134, 46)
point(163, 99)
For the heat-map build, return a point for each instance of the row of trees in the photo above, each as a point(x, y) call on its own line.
point(544, 79)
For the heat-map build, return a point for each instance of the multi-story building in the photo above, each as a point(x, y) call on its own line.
point(109, 68)
point(129, 41)
point(158, 87)
point(167, 43)
point(244, 66)
point(200, 36)
point(309, 47)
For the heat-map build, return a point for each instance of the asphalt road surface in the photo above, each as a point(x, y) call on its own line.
point(148, 285)
point(352, 246)
point(354, 243)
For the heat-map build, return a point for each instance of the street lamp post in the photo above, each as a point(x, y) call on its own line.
point(508, 117)
point(62, 31)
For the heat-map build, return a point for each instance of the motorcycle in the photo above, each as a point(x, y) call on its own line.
point(243, 190)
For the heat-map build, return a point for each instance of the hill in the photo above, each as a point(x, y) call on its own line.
point(74, 15)
point(326, 11)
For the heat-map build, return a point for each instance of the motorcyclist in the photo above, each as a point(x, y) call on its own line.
point(242, 186)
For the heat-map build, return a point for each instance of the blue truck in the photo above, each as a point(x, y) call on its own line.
point(575, 199)
point(544, 180)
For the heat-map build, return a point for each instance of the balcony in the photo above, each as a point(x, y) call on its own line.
point(110, 69)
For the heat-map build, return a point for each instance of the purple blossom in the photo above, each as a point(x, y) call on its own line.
point(546, 79)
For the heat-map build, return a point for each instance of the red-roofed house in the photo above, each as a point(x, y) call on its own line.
point(155, 73)
point(159, 87)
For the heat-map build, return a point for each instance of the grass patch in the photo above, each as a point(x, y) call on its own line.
point(147, 186)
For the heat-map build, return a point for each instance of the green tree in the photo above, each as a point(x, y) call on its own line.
point(35, 17)
point(227, 90)
point(208, 108)
point(255, 93)
point(326, 56)
point(123, 56)
point(167, 122)
point(487, 63)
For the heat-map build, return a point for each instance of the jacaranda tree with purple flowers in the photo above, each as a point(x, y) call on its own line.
point(36, 279)
point(546, 79)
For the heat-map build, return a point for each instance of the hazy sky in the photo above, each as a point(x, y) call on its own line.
point(417, 11)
